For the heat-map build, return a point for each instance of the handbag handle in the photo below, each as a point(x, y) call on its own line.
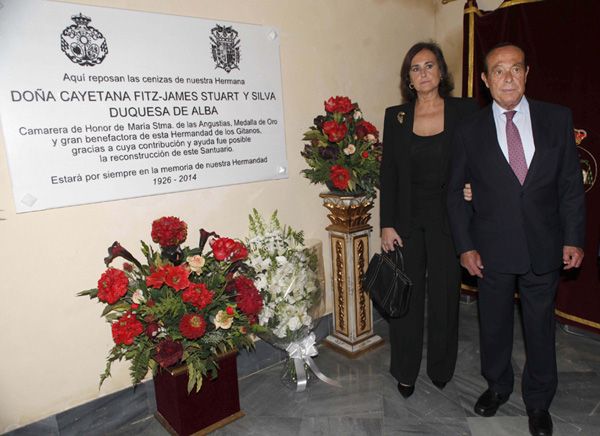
point(398, 257)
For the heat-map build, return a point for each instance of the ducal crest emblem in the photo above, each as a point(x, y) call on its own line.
point(589, 166)
point(82, 43)
point(225, 47)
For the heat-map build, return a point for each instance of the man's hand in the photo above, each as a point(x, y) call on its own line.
point(572, 256)
point(471, 261)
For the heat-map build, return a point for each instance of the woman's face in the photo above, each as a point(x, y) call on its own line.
point(424, 72)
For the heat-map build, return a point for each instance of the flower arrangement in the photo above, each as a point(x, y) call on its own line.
point(343, 151)
point(181, 306)
point(286, 276)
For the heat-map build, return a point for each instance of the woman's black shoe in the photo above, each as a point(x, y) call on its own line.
point(406, 391)
point(438, 384)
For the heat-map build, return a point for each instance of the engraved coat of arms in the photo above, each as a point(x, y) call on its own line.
point(82, 43)
point(225, 45)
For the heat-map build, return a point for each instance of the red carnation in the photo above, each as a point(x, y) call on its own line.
point(238, 252)
point(339, 104)
point(156, 279)
point(112, 285)
point(168, 353)
point(248, 298)
point(228, 249)
point(177, 277)
point(363, 128)
point(339, 176)
point(126, 328)
point(168, 231)
point(192, 326)
point(335, 132)
point(151, 330)
point(198, 295)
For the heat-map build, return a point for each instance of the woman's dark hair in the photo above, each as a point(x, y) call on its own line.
point(446, 82)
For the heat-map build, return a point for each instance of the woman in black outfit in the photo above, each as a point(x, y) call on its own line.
point(416, 152)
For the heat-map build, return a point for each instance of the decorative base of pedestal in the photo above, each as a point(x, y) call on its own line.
point(353, 350)
point(206, 430)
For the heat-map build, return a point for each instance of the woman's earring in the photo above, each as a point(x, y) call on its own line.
point(411, 86)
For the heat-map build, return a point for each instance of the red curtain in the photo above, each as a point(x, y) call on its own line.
point(561, 39)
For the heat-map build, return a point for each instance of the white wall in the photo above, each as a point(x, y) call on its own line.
point(53, 345)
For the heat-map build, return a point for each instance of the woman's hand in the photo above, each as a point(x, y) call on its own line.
point(467, 193)
point(389, 238)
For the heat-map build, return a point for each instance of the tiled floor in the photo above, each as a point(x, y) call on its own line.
point(369, 404)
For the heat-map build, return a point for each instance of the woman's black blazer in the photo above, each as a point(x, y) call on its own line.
point(395, 179)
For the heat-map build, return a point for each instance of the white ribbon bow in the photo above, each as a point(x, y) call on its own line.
point(302, 352)
point(304, 348)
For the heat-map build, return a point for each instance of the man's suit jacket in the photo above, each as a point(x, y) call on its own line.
point(395, 178)
point(516, 228)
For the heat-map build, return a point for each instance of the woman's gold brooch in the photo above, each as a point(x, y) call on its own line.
point(400, 117)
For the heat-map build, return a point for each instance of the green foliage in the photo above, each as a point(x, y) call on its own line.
point(92, 293)
point(119, 306)
point(115, 354)
point(194, 375)
point(169, 307)
point(140, 360)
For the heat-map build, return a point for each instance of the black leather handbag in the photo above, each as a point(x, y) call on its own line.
point(387, 284)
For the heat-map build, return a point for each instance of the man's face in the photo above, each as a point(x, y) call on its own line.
point(506, 76)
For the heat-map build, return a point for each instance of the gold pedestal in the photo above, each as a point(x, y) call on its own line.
point(349, 233)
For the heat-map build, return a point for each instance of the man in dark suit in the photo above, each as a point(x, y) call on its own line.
point(526, 220)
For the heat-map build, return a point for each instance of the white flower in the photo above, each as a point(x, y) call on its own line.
point(281, 260)
point(350, 149)
point(306, 319)
point(261, 282)
point(280, 332)
point(371, 138)
point(294, 323)
point(357, 115)
point(265, 315)
point(285, 277)
point(138, 297)
point(196, 263)
point(223, 320)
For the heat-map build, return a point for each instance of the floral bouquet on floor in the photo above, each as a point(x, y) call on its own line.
point(286, 276)
point(181, 306)
point(343, 150)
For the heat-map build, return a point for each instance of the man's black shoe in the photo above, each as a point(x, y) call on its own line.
point(540, 422)
point(488, 403)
